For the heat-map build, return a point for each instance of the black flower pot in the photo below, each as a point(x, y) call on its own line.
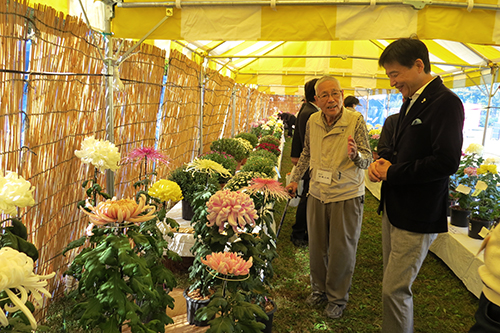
point(475, 227)
point(192, 305)
point(269, 322)
point(187, 210)
point(458, 217)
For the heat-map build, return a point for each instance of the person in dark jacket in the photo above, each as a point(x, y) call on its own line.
point(424, 151)
point(299, 235)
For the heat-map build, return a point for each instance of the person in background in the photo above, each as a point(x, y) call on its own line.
point(387, 133)
point(488, 312)
point(424, 151)
point(351, 102)
point(288, 122)
point(336, 150)
point(299, 236)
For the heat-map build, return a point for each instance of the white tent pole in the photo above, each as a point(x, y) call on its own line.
point(202, 104)
point(494, 72)
point(233, 117)
point(108, 74)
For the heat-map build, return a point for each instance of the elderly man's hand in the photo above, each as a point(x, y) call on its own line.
point(352, 148)
point(292, 189)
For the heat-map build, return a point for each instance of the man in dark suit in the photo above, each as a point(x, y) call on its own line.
point(299, 235)
point(425, 150)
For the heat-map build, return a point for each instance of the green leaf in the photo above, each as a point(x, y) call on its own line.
point(74, 244)
point(221, 325)
point(18, 229)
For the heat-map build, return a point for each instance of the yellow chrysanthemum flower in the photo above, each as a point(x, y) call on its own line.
point(485, 168)
point(15, 192)
point(475, 148)
point(208, 166)
point(166, 190)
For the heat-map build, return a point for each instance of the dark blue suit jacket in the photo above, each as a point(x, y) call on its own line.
point(425, 150)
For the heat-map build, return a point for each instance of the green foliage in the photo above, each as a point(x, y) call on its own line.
point(250, 137)
point(242, 179)
point(270, 139)
point(461, 177)
point(486, 204)
point(191, 182)
point(231, 312)
point(259, 164)
point(265, 154)
point(16, 237)
point(231, 146)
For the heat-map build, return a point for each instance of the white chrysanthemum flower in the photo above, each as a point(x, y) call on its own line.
point(100, 153)
point(16, 272)
point(475, 148)
point(492, 160)
point(15, 192)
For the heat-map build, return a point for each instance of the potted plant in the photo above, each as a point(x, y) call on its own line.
point(260, 164)
point(263, 153)
point(462, 183)
point(270, 139)
point(250, 137)
point(230, 146)
point(242, 179)
point(190, 181)
point(228, 307)
point(485, 207)
point(373, 139)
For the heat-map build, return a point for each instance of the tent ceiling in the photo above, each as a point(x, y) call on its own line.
point(281, 44)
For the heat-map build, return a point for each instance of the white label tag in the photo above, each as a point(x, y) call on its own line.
point(324, 177)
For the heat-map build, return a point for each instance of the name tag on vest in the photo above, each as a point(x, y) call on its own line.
point(324, 177)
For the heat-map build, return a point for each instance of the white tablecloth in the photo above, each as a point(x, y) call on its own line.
point(181, 242)
point(459, 251)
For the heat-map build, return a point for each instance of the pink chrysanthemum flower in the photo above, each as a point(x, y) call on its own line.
point(269, 187)
point(470, 171)
point(228, 263)
point(236, 208)
point(150, 153)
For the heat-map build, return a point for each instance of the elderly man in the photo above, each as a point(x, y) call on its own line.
point(336, 150)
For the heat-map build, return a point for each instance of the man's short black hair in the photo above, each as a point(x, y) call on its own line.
point(309, 90)
point(351, 101)
point(405, 51)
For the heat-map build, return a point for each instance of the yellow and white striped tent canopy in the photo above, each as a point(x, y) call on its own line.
point(281, 44)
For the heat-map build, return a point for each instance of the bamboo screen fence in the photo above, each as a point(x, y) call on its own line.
point(52, 91)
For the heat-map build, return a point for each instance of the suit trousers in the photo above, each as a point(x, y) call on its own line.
point(299, 229)
point(334, 230)
point(403, 255)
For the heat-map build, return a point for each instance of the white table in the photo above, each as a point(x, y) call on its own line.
point(459, 252)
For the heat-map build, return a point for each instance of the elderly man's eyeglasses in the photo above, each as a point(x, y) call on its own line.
point(334, 94)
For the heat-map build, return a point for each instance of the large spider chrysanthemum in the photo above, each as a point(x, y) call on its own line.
point(16, 273)
point(207, 166)
point(236, 208)
point(149, 153)
point(270, 188)
point(228, 263)
point(117, 211)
